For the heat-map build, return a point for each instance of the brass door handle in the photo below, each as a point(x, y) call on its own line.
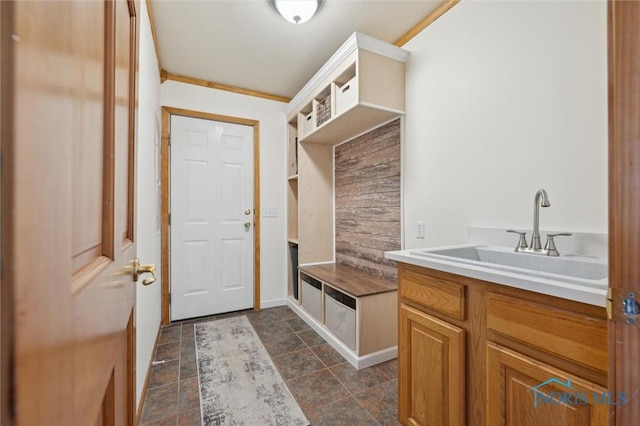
point(139, 269)
point(247, 225)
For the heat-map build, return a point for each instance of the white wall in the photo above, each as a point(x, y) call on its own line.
point(148, 299)
point(272, 170)
point(504, 98)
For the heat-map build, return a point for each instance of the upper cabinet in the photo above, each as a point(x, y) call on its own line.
point(359, 88)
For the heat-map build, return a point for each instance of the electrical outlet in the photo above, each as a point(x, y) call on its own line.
point(420, 229)
point(270, 212)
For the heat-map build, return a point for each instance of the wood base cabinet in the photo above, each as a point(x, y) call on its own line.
point(432, 361)
point(526, 392)
point(476, 353)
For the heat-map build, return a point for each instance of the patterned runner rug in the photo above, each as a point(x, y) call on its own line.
point(239, 384)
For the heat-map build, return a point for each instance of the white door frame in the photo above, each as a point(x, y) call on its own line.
point(167, 112)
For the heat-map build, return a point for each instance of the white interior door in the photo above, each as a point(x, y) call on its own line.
point(211, 217)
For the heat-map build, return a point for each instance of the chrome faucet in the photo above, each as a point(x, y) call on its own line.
point(541, 199)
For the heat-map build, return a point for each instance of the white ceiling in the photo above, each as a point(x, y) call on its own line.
point(245, 43)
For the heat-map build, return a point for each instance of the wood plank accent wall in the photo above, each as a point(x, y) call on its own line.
point(367, 179)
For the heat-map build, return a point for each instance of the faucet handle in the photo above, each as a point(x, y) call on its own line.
point(550, 246)
point(522, 243)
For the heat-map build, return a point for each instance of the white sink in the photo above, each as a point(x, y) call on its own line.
point(569, 269)
point(580, 278)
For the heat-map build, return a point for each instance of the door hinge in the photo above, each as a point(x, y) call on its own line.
point(623, 306)
point(169, 139)
point(169, 298)
point(169, 219)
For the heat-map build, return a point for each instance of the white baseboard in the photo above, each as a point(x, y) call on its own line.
point(358, 362)
point(272, 303)
point(377, 357)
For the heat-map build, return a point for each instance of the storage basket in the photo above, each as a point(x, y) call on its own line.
point(340, 316)
point(311, 296)
point(323, 112)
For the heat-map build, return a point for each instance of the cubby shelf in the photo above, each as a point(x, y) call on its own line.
point(350, 124)
point(360, 88)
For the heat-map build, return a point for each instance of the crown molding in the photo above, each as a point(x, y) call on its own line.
point(164, 76)
point(428, 20)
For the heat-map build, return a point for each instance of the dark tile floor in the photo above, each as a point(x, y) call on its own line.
point(328, 389)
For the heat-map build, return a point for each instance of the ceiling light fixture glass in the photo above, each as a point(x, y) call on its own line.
point(296, 11)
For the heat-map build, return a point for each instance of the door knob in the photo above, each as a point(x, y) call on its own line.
point(139, 269)
point(247, 225)
point(247, 212)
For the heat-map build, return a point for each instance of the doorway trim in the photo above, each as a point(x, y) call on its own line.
point(167, 112)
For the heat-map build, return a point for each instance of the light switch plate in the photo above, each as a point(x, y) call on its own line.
point(269, 211)
point(420, 229)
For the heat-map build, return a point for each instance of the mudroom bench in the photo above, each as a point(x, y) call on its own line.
point(353, 311)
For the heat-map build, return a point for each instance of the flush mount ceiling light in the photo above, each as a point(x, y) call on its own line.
point(296, 11)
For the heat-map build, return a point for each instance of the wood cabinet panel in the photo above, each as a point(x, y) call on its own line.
point(431, 364)
point(381, 80)
point(436, 293)
point(378, 326)
point(566, 334)
point(558, 336)
point(517, 397)
point(315, 203)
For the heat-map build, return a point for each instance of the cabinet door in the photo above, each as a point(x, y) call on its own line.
point(524, 392)
point(431, 370)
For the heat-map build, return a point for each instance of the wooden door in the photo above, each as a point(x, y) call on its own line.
point(624, 205)
point(524, 392)
point(211, 217)
point(431, 361)
point(68, 129)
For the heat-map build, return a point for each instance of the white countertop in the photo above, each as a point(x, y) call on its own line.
point(590, 294)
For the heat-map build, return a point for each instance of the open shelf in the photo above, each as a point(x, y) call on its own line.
point(361, 87)
point(350, 124)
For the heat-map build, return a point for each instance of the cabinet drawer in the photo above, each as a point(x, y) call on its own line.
point(433, 292)
point(575, 337)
